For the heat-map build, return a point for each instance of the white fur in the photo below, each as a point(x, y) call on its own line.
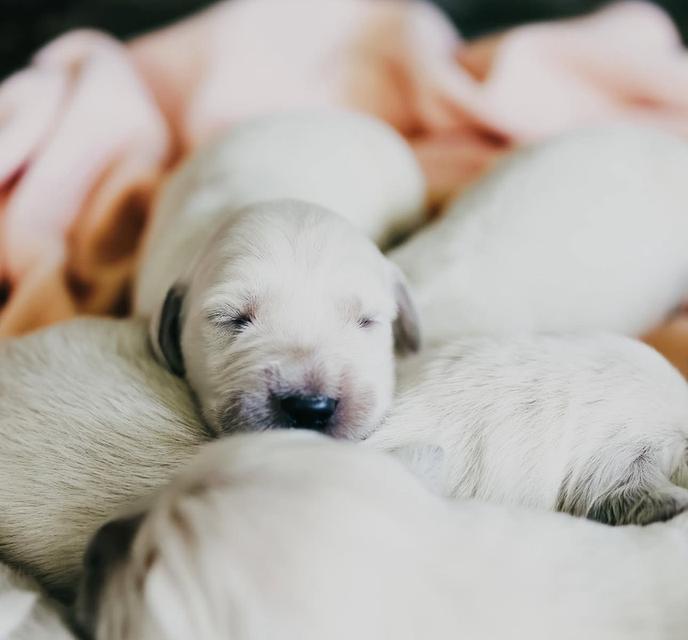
point(347, 162)
point(593, 425)
point(287, 299)
point(89, 423)
point(25, 612)
point(585, 231)
point(292, 536)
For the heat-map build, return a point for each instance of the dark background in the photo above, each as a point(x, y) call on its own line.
point(27, 24)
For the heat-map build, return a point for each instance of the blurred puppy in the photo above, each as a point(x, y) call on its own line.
point(287, 318)
point(294, 536)
point(586, 231)
point(25, 612)
point(89, 423)
point(595, 426)
point(348, 162)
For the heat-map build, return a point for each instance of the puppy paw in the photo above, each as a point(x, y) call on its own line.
point(638, 505)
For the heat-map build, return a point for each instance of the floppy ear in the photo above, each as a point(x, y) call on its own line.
point(406, 326)
point(167, 338)
point(110, 545)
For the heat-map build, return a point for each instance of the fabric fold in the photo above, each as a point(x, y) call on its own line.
point(90, 128)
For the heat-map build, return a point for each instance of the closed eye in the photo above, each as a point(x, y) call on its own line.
point(241, 321)
point(235, 321)
point(366, 322)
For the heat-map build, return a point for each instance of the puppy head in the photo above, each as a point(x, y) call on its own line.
point(255, 521)
point(289, 318)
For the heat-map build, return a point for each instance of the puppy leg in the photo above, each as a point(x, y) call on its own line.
point(646, 495)
point(639, 504)
point(640, 495)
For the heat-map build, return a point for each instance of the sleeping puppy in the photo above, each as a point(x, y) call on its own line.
point(287, 318)
point(292, 313)
point(583, 232)
point(25, 612)
point(348, 162)
point(89, 424)
point(293, 536)
point(595, 426)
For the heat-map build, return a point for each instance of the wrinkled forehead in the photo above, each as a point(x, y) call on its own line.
point(286, 254)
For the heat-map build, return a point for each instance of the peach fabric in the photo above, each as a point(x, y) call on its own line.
point(671, 340)
point(88, 131)
point(82, 144)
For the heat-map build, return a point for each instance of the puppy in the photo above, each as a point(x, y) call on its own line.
point(294, 536)
point(89, 423)
point(344, 161)
point(25, 612)
point(595, 426)
point(583, 232)
point(287, 318)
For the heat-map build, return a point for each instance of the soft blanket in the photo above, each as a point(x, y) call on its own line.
point(90, 129)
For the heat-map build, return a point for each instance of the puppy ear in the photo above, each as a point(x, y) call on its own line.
point(109, 546)
point(407, 325)
point(167, 337)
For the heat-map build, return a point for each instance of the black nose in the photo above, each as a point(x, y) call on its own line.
point(308, 412)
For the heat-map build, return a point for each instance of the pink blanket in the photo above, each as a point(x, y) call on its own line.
point(90, 128)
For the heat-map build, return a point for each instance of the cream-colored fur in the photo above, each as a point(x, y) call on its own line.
point(592, 425)
point(348, 162)
point(89, 423)
point(293, 536)
point(586, 231)
point(287, 300)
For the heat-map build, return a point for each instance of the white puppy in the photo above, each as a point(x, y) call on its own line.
point(586, 231)
point(287, 318)
point(25, 612)
point(344, 161)
point(293, 536)
point(89, 423)
point(595, 426)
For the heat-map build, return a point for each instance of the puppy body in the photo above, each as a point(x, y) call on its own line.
point(593, 425)
point(586, 231)
point(344, 161)
point(89, 423)
point(283, 535)
point(548, 422)
point(25, 612)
